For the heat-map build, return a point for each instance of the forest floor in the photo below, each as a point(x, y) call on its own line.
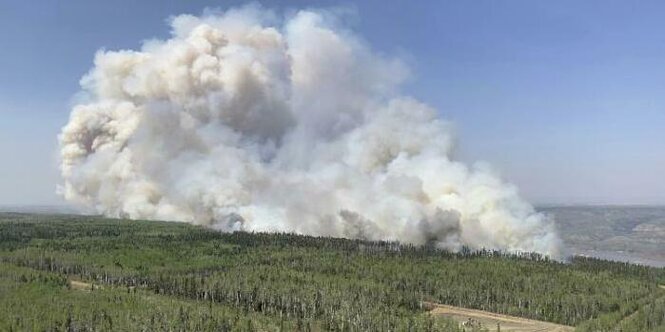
point(490, 321)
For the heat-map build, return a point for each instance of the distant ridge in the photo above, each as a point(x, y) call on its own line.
point(41, 209)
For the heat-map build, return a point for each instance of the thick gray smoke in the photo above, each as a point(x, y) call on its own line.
point(244, 121)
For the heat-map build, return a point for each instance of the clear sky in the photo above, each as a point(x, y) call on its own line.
point(566, 99)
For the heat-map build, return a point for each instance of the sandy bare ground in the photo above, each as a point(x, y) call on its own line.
point(491, 320)
point(82, 286)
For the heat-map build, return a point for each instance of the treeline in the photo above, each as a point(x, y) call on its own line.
point(293, 282)
point(41, 301)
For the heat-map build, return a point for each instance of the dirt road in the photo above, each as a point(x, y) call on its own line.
point(83, 286)
point(492, 321)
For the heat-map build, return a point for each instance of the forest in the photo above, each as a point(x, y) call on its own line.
point(88, 273)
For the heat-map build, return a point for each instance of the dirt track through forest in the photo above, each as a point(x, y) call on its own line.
point(485, 319)
point(80, 285)
point(491, 320)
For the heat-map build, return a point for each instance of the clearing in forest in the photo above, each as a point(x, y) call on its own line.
point(80, 285)
point(491, 321)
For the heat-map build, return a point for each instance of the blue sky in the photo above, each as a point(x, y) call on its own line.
point(566, 99)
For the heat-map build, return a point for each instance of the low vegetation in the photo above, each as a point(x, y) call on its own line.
point(178, 277)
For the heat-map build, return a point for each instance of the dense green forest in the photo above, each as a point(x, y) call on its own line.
point(75, 273)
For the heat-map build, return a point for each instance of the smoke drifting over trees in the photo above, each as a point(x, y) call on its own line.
point(243, 120)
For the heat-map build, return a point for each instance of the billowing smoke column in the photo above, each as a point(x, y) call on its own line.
point(242, 122)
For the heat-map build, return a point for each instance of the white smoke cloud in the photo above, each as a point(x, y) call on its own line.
point(240, 121)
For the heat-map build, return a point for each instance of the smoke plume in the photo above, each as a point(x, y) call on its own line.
point(244, 121)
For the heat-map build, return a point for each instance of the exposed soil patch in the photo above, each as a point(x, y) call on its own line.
point(82, 286)
point(491, 321)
